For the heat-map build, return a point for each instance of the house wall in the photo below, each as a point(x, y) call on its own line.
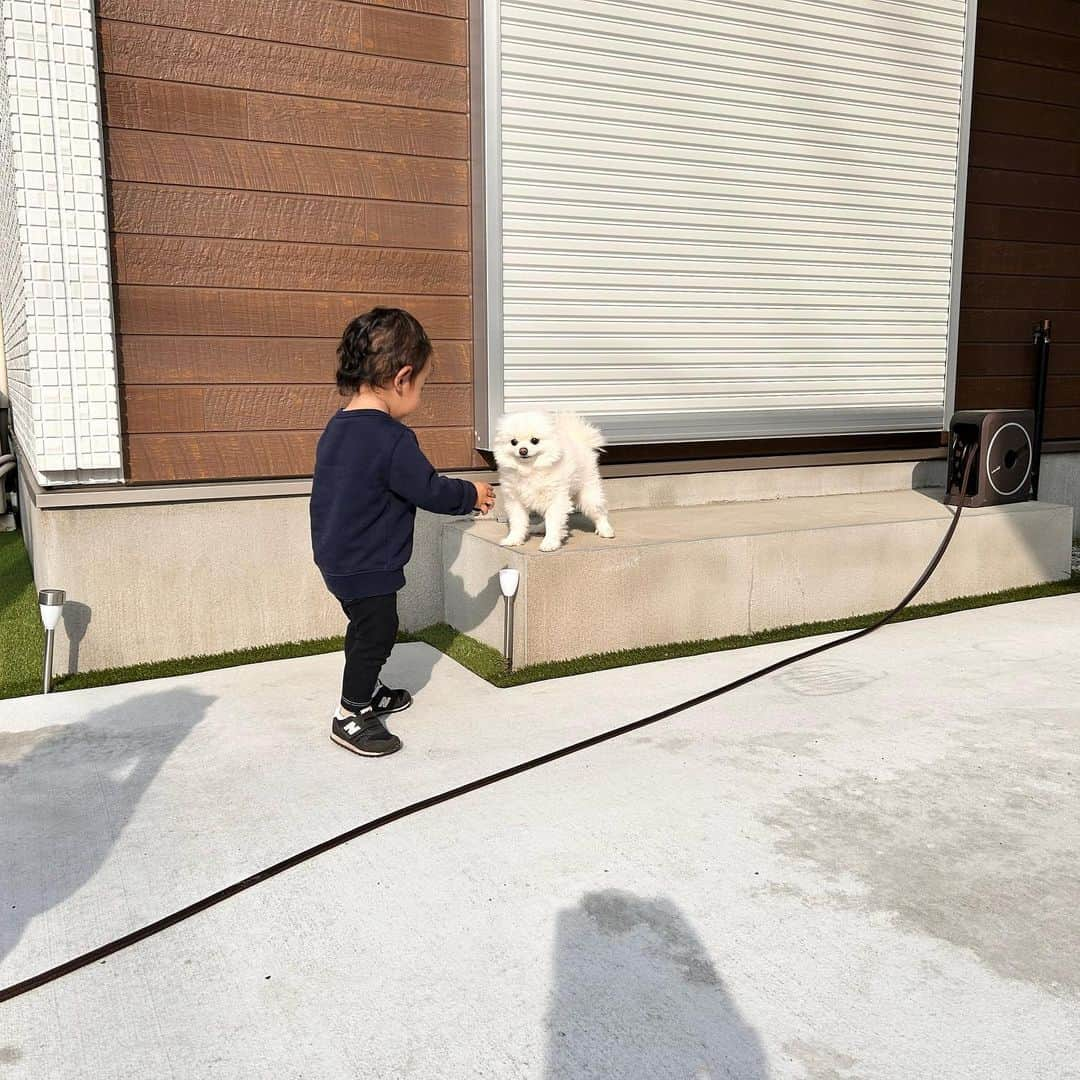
point(1022, 249)
point(17, 388)
point(55, 288)
point(188, 579)
point(221, 572)
point(276, 167)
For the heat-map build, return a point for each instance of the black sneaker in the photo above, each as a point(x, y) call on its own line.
point(386, 701)
point(364, 734)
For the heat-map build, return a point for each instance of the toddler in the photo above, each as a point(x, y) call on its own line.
point(370, 476)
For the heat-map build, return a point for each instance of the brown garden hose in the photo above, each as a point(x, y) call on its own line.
point(150, 929)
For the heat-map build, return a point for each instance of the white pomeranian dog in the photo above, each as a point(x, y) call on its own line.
point(547, 464)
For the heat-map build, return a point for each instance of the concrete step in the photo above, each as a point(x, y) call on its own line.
point(683, 574)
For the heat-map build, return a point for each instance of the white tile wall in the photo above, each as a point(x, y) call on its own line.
point(57, 299)
point(12, 296)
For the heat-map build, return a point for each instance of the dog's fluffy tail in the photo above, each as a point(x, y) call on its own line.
point(582, 432)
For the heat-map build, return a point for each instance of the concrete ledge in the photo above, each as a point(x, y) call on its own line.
point(1059, 482)
point(155, 582)
point(708, 571)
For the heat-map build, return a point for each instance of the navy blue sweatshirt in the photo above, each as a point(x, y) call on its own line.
point(370, 476)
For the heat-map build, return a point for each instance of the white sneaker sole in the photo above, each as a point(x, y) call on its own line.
point(363, 753)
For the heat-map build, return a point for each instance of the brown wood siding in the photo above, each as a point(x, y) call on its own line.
point(274, 168)
point(1022, 225)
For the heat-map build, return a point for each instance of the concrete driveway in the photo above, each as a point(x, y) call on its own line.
point(863, 867)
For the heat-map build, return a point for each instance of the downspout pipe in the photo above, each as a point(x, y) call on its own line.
point(7, 463)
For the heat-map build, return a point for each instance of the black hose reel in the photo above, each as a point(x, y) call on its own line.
point(1009, 445)
point(1006, 447)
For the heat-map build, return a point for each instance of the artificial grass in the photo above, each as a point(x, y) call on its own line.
point(487, 662)
point(187, 665)
point(20, 684)
point(22, 639)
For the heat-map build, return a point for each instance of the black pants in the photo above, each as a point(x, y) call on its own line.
point(373, 626)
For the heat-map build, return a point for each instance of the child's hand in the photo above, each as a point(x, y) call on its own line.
point(485, 497)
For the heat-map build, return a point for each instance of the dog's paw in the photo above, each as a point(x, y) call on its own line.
point(606, 531)
point(512, 541)
point(551, 543)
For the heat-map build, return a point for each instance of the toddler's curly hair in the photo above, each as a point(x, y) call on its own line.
point(376, 346)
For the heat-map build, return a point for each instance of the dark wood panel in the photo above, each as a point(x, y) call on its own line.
point(1022, 220)
point(321, 23)
point(998, 290)
point(221, 456)
point(191, 161)
point(327, 24)
point(1063, 398)
point(1023, 189)
point(1057, 16)
point(459, 9)
point(249, 215)
point(263, 264)
point(259, 454)
point(1006, 79)
point(1012, 257)
point(993, 151)
point(157, 409)
point(1062, 423)
point(187, 56)
point(418, 37)
point(156, 309)
point(1022, 224)
point(156, 361)
point(989, 361)
point(276, 167)
point(1062, 391)
point(1041, 48)
point(416, 225)
point(1014, 325)
point(1013, 117)
point(247, 114)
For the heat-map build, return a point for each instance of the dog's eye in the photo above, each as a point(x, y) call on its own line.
point(535, 442)
point(513, 442)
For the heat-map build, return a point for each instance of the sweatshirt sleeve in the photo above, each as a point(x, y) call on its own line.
point(414, 479)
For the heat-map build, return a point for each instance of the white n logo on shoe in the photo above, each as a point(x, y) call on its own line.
point(352, 727)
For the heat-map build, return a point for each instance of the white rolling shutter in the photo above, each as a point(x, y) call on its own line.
point(724, 219)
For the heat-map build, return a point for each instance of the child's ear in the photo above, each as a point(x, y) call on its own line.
point(403, 378)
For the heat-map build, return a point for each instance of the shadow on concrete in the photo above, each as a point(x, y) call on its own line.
point(928, 474)
point(474, 600)
point(410, 666)
point(635, 995)
point(928, 479)
point(76, 622)
point(68, 791)
point(467, 607)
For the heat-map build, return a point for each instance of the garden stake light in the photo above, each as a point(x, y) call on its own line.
point(508, 585)
point(51, 604)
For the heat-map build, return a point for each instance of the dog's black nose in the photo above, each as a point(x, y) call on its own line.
point(524, 451)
